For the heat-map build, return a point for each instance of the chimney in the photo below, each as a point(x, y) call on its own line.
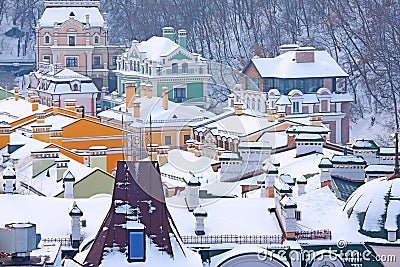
point(238, 108)
point(143, 89)
point(325, 165)
point(231, 100)
point(70, 104)
point(98, 157)
point(301, 185)
point(35, 103)
point(182, 38)
point(80, 111)
point(287, 47)
point(62, 166)
point(9, 179)
point(271, 173)
point(76, 215)
point(305, 55)
point(288, 211)
point(190, 145)
point(16, 94)
point(271, 114)
point(152, 149)
point(69, 180)
point(162, 155)
point(40, 117)
point(169, 32)
point(149, 93)
point(87, 16)
point(200, 214)
point(130, 89)
point(315, 120)
point(192, 193)
point(165, 97)
point(136, 109)
point(281, 113)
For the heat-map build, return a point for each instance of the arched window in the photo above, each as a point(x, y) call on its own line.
point(174, 68)
point(185, 68)
point(96, 39)
point(47, 39)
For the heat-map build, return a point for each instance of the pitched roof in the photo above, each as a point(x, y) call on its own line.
point(157, 46)
point(61, 14)
point(285, 66)
point(138, 195)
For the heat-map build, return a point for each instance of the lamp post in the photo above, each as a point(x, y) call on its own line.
point(396, 173)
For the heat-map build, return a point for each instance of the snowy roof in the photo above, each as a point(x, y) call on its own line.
point(228, 156)
point(51, 214)
point(270, 169)
point(276, 139)
point(365, 145)
point(155, 47)
point(287, 179)
point(282, 187)
point(376, 205)
point(379, 169)
point(341, 97)
point(386, 151)
point(283, 100)
point(309, 137)
point(310, 99)
point(325, 163)
point(348, 159)
point(308, 129)
point(288, 202)
point(11, 110)
point(301, 180)
point(176, 114)
point(61, 14)
point(28, 145)
point(227, 216)
point(285, 66)
point(255, 145)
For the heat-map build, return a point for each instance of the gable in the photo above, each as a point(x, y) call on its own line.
point(85, 128)
point(180, 56)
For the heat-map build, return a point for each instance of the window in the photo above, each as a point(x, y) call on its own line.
point(185, 138)
point(179, 94)
point(97, 60)
point(296, 107)
point(47, 39)
point(185, 68)
point(298, 215)
point(71, 62)
point(168, 140)
point(71, 40)
point(175, 68)
point(136, 246)
point(114, 60)
point(96, 39)
point(46, 59)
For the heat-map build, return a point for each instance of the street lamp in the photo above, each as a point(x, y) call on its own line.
point(396, 173)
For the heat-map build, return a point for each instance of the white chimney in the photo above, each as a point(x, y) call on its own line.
point(301, 185)
point(9, 178)
point(69, 180)
point(75, 214)
point(192, 193)
point(200, 215)
point(271, 174)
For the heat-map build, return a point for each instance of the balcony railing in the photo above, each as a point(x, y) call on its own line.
point(233, 239)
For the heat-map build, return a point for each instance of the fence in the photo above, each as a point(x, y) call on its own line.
point(65, 242)
point(314, 234)
point(233, 239)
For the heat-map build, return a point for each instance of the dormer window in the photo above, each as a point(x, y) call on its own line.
point(136, 242)
point(75, 86)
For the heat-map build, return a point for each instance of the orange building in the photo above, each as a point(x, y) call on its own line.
point(82, 138)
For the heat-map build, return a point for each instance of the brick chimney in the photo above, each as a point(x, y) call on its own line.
point(165, 98)
point(136, 109)
point(70, 104)
point(16, 94)
point(130, 89)
point(238, 107)
point(35, 102)
point(305, 55)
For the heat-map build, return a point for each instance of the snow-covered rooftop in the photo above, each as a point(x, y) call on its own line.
point(51, 214)
point(11, 110)
point(285, 66)
point(156, 47)
point(62, 14)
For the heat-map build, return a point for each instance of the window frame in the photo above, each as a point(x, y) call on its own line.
point(68, 60)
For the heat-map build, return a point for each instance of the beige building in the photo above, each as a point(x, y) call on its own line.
point(75, 35)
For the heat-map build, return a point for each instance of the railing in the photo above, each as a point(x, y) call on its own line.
point(65, 242)
point(31, 189)
point(233, 239)
point(314, 235)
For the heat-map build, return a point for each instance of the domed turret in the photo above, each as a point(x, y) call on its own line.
point(376, 206)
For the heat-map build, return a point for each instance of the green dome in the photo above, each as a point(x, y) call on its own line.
point(376, 207)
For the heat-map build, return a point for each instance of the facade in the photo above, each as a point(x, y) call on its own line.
point(300, 82)
point(74, 34)
point(160, 62)
point(57, 86)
